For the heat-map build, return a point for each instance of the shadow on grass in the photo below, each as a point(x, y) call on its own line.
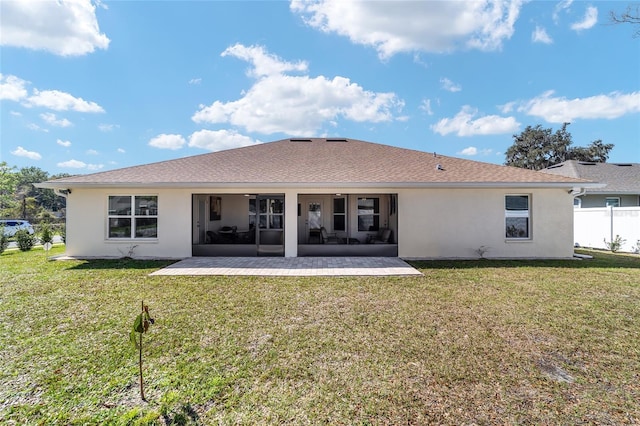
point(601, 259)
point(185, 415)
point(124, 263)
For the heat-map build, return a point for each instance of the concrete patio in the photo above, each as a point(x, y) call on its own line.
point(291, 266)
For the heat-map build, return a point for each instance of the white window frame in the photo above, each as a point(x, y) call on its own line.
point(520, 214)
point(133, 216)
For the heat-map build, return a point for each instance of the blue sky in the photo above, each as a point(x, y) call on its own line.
point(90, 86)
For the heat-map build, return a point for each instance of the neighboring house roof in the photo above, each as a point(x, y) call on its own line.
point(318, 162)
point(620, 178)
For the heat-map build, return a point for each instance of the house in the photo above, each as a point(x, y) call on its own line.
point(608, 212)
point(622, 182)
point(320, 196)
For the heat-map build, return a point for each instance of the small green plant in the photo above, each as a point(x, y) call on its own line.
point(46, 233)
point(25, 240)
point(130, 252)
point(482, 250)
point(140, 326)
point(615, 244)
point(4, 240)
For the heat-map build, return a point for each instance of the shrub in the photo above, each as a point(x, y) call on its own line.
point(615, 244)
point(25, 240)
point(46, 233)
point(4, 241)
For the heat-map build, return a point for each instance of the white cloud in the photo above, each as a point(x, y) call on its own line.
point(564, 5)
point(589, 20)
point(21, 152)
point(12, 88)
point(65, 27)
point(66, 144)
point(165, 141)
point(195, 81)
point(540, 35)
point(449, 85)
point(61, 101)
point(264, 63)
point(51, 119)
point(108, 127)
point(15, 113)
point(92, 152)
point(560, 110)
point(121, 151)
point(36, 128)
point(218, 140)
point(426, 106)
point(465, 124)
point(77, 164)
point(470, 151)
point(392, 27)
point(298, 105)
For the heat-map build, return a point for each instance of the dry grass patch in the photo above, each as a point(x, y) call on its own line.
point(477, 342)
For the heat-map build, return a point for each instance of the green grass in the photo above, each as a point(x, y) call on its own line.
point(476, 342)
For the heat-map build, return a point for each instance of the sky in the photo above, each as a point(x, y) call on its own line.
point(94, 86)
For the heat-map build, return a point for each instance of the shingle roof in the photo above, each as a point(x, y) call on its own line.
point(620, 178)
point(316, 161)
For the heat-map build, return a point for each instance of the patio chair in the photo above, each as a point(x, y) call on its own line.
point(382, 237)
point(328, 238)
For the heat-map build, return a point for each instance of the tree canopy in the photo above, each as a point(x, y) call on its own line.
point(537, 148)
point(19, 198)
point(630, 16)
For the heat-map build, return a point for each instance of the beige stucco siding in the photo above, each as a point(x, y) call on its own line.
point(454, 223)
point(432, 223)
point(87, 224)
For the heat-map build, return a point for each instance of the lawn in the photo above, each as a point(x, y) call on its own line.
point(475, 342)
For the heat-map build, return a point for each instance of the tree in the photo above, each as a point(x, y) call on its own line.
point(630, 16)
point(8, 183)
point(537, 148)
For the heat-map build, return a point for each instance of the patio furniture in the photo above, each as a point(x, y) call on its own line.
point(328, 238)
point(382, 237)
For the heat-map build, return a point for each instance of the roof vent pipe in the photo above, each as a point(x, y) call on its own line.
point(439, 167)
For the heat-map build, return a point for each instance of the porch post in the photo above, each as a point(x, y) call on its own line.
point(291, 223)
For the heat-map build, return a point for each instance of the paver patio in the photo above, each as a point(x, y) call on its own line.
point(290, 266)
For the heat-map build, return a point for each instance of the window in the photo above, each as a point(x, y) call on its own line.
point(368, 214)
point(517, 216)
point(577, 202)
point(612, 201)
point(133, 216)
point(339, 214)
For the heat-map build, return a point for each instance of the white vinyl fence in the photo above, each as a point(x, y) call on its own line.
point(592, 226)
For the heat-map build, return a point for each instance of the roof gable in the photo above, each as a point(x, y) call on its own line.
point(316, 161)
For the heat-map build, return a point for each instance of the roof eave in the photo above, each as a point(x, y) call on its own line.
point(66, 185)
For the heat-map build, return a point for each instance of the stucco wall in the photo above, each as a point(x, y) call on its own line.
point(87, 225)
point(432, 223)
point(454, 223)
